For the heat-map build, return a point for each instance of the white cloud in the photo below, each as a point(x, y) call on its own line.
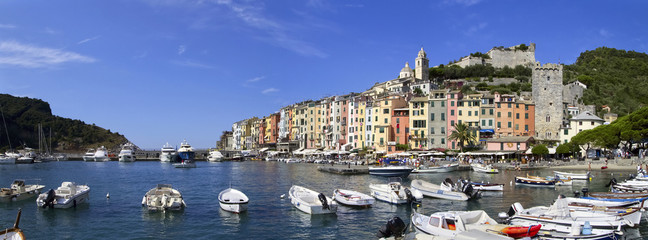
point(256, 79)
point(269, 90)
point(7, 26)
point(604, 33)
point(22, 55)
point(473, 29)
point(466, 3)
point(88, 39)
point(181, 49)
point(193, 64)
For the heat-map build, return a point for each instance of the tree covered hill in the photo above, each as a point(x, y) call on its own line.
point(23, 115)
point(616, 78)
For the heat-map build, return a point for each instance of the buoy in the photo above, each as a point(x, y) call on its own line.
point(282, 196)
point(108, 195)
point(511, 183)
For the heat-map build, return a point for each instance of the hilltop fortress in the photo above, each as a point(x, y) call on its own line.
point(419, 111)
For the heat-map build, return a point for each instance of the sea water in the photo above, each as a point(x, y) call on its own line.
point(268, 217)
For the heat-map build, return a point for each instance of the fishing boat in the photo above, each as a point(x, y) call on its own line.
point(163, 197)
point(487, 186)
point(101, 155)
point(449, 224)
point(391, 171)
point(534, 182)
point(233, 200)
point(352, 198)
point(575, 176)
point(560, 217)
point(436, 169)
point(168, 153)
point(394, 192)
point(69, 194)
point(19, 191)
point(187, 155)
point(484, 168)
point(14, 233)
point(445, 190)
point(127, 153)
point(215, 156)
point(311, 202)
point(89, 155)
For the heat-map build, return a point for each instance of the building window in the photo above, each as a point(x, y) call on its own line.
point(442, 116)
point(431, 130)
point(459, 112)
point(469, 113)
point(397, 120)
point(442, 130)
point(397, 130)
point(499, 114)
point(526, 116)
point(510, 114)
point(517, 127)
point(526, 128)
point(386, 111)
point(382, 130)
point(490, 122)
point(499, 125)
point(490, 111)
point(431, 104)
point(422, 112)
point(451, 112)
point(431, 116)
point(452, 123)
point(442, 104)
point(580, 123)
point(592, 123)
point(476, 112)
point(483, 112)
point(517, 116)
point(509, 124)
point(483, 122)
point(452, 103)
point(442, 140)
point(566, 132)
point(548, 119)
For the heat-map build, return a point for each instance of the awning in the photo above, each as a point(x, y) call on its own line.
point(487, 131)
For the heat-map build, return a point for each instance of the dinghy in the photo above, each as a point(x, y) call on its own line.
point(163, 197)
point(483, 168)
point(311, 202)
point(487, 186)
point(69, 194)
point(575, 176)
point(394, 192)
point(233, 200)
point(352, 198)
point(436, 169)
point(449, 224)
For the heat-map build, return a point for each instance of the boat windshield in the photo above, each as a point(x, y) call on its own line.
point(164, 186)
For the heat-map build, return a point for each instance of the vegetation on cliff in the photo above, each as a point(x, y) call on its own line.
point(629, 129)
point(23, 115)
point(616, 78)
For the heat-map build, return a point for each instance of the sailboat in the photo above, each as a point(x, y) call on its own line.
point(9, 157)
point(42, 143)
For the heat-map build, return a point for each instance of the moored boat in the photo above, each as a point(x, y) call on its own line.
point(436, 169)
point(163, 197)
point(187, 155)
point(19, 191)
point(311, 202)
point(352, 198)
point(89, 155)
point(101, 155)
point(390, 171)
point(168, 153)
point(69, 194)
point(534, 182)
point(5, 159)
point(13, 233)
point(215, 156)
point(233, 200)
point(484, 168)
point(487, 186)
point(444, 190)
point(575, 176)
point(394, 192)
point(127, 153)
point(449, 224)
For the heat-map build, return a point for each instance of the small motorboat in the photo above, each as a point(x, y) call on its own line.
point(14, 233)
point(445, 190)
point(391, 171)
point(534, 182)
point(233, 200)
point(311, 202)
point(19, 191)
point(353, 198)
point(163, 197)
point(436, 169)
point(394, 192)
point(185, 164)
point(69, 194)
point(484, 168)
point(449, 224)
point(575, 176)
point(89, 155)
point(487, 186)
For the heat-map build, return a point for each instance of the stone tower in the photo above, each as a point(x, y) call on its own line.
point(422, 66)
point(547, 95)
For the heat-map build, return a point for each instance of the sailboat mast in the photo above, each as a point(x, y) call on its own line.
point(6, 129)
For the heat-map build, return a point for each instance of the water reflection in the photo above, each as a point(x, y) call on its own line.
point(164, 217)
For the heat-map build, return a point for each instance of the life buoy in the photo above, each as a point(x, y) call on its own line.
point(509, 144)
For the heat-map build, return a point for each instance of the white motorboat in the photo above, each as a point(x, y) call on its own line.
point(163, 197)
point(14, 233)
point(187, 156)
point(436, 169)
point(127, 153)
point(101, 155)
point(168, 153)
point(89, 155)
point(601, 203)
point(449, 224)
point(391, 171)
point(534, 182)
point(487, 186)
point(560, 217)
point(394, 192)
point(233, 200)
point(575, 176)
point(19, 191)
point(443, 191)
point(215, 156)
point(185, 164)
point(69, 194)
point(26, 156)
point(352, 198)
point(5, 159)
point(484, 168)
point(311, 202)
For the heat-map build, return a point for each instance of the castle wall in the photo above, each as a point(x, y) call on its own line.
point(510, 57)
point(547, 92)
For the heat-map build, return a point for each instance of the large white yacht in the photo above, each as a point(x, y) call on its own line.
point(101, 155)
point(89, 155)
point(168, 153)
point(127, 153)
point(215, 156)
point(187, 156)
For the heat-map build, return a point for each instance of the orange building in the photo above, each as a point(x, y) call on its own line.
point(399, 131)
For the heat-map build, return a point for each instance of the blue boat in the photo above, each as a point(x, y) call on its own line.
point(391, 171)
point(186, 155)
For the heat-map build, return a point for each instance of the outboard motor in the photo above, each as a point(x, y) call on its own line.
point(322, 199)
point(577, 194)
point(394, 227)
point(410, 196)
point(515, 208)
point(49, 200)
point(612, 182)
point(585, 192)
point(470, 191)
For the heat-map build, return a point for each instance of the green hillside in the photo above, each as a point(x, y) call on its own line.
point(23, 115)
point(616, 78)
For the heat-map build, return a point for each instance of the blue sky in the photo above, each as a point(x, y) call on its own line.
point(162, 71)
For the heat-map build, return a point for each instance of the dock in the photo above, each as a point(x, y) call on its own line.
point(344, 169)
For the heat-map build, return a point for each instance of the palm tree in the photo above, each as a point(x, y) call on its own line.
point(462, 134)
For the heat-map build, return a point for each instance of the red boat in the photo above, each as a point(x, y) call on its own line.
point(604, 167)
point(520, 232)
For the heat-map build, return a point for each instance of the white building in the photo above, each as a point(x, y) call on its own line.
point(583, 121)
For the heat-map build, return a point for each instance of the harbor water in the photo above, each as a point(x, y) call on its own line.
point(268, 217)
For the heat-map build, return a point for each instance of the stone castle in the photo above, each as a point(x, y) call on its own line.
point(500, 57)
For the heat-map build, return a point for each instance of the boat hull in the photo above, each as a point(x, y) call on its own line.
point(82, 195)
point(307, 201)
point(392, 171)
point(438, 169)
point(233, 200)
point(575, 176)
point(534, 182)
point(435, 191)
point(127, 158)
point(353, 198)
point(488, 186)
point(234, 207)
point(14, 197)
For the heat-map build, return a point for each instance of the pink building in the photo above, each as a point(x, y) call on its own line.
point(509, 144)
point(453, 100)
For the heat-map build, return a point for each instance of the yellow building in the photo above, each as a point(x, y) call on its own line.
point(468, 110)
point(362, 106)
point(382, 130)
point(418, 122)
